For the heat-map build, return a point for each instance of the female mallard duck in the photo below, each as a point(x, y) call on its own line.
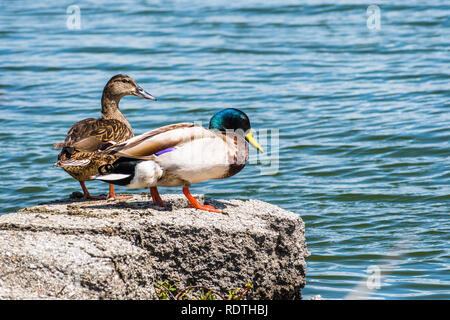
point(181, 155)
point(80, 156)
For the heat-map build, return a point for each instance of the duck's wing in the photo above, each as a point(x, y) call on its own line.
point(91, 134)
point(145, 146)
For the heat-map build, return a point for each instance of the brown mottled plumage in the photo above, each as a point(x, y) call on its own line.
point(80, 156)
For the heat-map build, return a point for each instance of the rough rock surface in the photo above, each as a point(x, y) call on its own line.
point(73, 249)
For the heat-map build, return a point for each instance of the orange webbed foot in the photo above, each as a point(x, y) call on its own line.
point(87, 195)
point(112, 194)
point(193, 203)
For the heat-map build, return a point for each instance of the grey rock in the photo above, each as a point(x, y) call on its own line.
point(72, 249)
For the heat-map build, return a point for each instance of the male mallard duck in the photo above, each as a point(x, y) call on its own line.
point(79, 156)
point(181, 155)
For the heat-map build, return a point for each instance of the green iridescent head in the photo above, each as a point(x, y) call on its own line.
point(229, 119)
point(234, 119)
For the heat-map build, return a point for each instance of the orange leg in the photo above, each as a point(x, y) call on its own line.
point(112, 194)
point(194, 203)
point(156, 197)
point(87, 195)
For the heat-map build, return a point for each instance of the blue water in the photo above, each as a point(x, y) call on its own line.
point(362, 116)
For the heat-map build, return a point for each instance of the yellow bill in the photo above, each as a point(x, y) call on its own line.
point(252, 141)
